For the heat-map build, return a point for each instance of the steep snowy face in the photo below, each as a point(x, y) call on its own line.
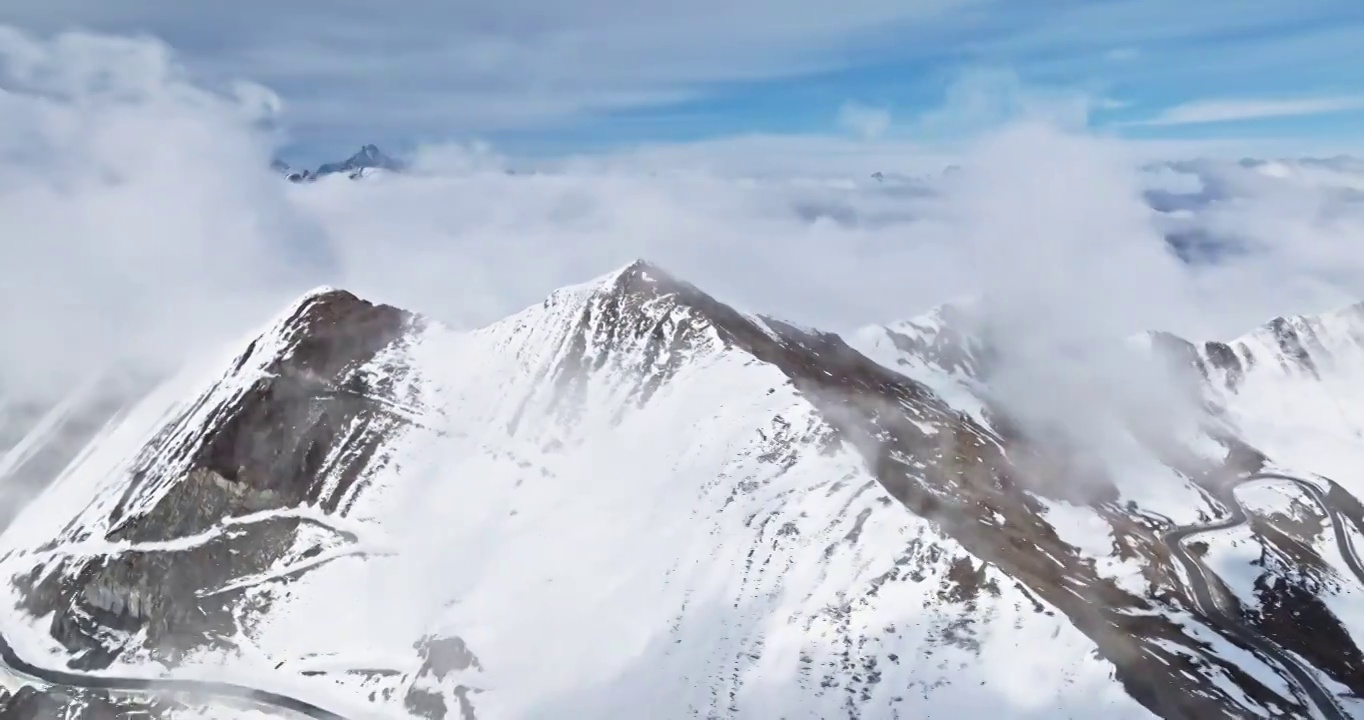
point(632, 501)
point(943, 348)
point(1276, 540)
point(1293, 388)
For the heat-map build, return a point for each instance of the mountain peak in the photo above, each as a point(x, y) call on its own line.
point(369, 157)
point(640, 269)
point(644, 277)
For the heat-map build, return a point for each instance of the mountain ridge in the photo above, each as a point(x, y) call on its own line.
point(364, 387)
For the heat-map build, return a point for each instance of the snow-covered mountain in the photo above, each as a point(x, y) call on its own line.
point(632, 500)
point(368, 160)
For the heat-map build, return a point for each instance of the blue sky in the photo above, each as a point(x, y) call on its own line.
point(561, 76)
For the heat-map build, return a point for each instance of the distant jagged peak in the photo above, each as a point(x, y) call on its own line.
point(368, 159)
point(368, 156)
point(1290, 345)
point(961, 314)
point(949, 337)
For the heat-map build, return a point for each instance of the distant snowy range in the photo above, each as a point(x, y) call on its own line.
point(1191, 197)
point(1050, 489)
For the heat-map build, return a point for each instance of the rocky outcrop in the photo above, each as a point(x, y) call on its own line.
point(303, 432)
point(31, 703)
point(440, 685)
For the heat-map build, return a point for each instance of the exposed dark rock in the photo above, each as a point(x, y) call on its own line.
point(30, 703)
point(444, 655)
point(433, 684)
point(1291, 345)
point(1222, 357)
point(261, 450)
point(1289, 594)
point(425, 703)
point(1296, 618)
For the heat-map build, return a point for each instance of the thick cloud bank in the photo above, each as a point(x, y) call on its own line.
point(141, 220)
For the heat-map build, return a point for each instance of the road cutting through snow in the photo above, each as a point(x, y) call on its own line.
point(1209, 600)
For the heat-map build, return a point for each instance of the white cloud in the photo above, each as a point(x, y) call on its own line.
point(442, 70)
point(864, 121)
point(447, 70)
point(1228, 110)
point(983, 99)
point(140, 219)
point(138, 211)
point(783, 156)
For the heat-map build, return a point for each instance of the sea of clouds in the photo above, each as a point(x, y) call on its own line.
point(141, 220)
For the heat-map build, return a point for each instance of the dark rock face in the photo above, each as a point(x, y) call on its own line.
point(434, 684)
point(1289, 591)
point(29, 703)
point(443, 656)
point(262, 449)
point(1291, 344)
point(275, 439)
point(1223, 357)
point(269, 443)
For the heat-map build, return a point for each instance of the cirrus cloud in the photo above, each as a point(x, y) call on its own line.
point(1229, 110)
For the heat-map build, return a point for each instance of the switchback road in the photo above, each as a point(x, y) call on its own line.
point(1202, 581)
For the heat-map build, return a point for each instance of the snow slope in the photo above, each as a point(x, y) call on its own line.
point(626, 501)
point(1295, 389)
point(1287, 396)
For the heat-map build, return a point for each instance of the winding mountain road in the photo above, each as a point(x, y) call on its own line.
point(1202, 579)
point(201, 689)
